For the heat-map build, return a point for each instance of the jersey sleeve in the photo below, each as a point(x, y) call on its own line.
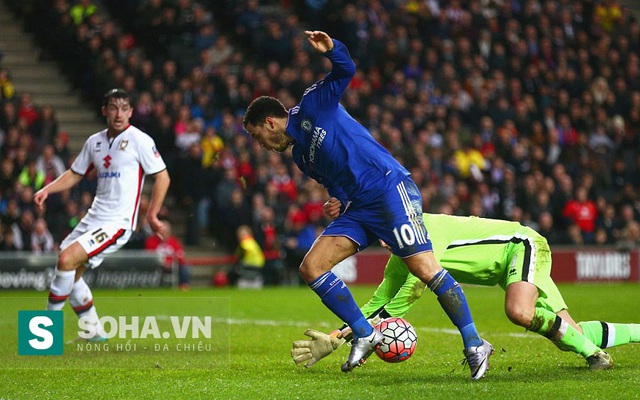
point(328, 92)
point(150, 159)
point(337, 192)
point(83, 164)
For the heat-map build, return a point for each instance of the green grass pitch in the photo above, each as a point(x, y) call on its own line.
point(253, 332)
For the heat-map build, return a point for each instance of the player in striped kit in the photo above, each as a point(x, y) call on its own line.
point(122, 156)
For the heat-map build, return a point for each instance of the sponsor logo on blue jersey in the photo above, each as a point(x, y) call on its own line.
point(316, 141)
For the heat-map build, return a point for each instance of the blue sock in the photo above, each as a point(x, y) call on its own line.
point(337, 297)
point(454, 303)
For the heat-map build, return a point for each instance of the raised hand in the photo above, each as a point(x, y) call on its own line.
point(319, 40)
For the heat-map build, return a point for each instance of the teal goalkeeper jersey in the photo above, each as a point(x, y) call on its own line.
point(475, 250)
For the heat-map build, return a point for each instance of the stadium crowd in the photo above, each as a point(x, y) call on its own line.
point(527, 110)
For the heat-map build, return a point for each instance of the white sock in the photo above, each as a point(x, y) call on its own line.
point(60, 289)
point(81, 299)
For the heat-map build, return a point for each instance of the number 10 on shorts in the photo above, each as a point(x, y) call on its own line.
point(40, 333)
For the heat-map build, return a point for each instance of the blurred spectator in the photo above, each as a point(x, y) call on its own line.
point(196, 194)
point(601, 237)
point(61, 223)
point(575, 235)
point(582, 212)
point(8, 177)
point(32, 176)
point(172, 252)
point(49, 164)
point(608, 14)
point(248, 270)
point(274, 44)
point(268, 238)
point(299, 237)
point(249, 23)
point(469, 161)
point(212, 145)
point(630, 238)
point(25, 199)
point(206, 36)
point(284, 184)
point(606, 222)
point(232, 215)
point(45, 128)
point(61, 148)
point(81, 11)
point(22, 230)
point(8, 116)
point(547, 229)
point(27, 109)
point(187, 130)
point(41, 239)
point(11, 213)
point(7, 243)
point(7, 89)
point(217, 54)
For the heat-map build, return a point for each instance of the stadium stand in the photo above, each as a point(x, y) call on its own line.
point(527, 110)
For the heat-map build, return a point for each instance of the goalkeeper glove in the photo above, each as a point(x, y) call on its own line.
point(312, 351)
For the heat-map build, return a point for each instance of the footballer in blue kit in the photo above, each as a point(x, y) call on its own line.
point(371, 197)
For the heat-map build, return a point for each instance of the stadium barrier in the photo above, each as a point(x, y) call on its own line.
point(570, 264)
point(124, 269)
point(135, 268)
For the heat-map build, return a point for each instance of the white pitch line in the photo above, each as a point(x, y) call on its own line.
point(306, 324)
point(303, 324)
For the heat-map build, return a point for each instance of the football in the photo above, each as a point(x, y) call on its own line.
point(400, 340)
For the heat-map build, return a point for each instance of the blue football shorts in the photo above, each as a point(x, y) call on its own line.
point(395, 217)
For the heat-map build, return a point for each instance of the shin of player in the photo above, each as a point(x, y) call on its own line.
point(122, 156)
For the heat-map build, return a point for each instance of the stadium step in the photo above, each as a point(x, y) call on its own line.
point(58, 100)
point(13, 59)
point(631, 5)
point(40, 87)
point(36, 73)
point(75, 114)
point(45, 82)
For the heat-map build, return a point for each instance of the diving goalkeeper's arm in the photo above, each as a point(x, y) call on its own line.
point(321, 344)
point(316, 348)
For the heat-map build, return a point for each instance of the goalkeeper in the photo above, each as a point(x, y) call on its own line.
point(487, 252)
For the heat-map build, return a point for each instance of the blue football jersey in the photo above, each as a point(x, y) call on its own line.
point(332, 147)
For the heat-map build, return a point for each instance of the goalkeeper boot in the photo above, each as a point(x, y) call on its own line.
point(361, 349)
point(478, 359)
point(599, 360)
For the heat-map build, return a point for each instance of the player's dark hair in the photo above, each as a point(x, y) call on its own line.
point(261, 108)
point(116, 93)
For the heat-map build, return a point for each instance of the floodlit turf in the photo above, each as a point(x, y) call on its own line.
point(249, 357)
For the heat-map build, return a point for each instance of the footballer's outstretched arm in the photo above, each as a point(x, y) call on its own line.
point(327, 92)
